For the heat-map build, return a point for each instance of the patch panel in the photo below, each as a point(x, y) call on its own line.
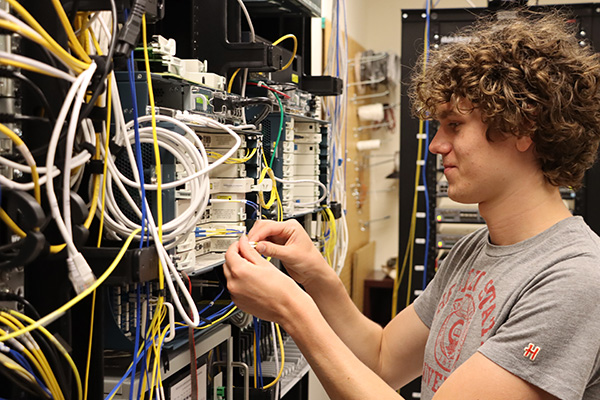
point(231, 185)
point(228, 212)
point(306, 138)
point(300, 148)
point(218, 140)
point(229, 171)
point(296, 171)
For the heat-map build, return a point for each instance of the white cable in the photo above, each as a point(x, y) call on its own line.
point(252, 39)
point(273, 331)
point(199, 187)
point(9, 17)
point(55, 72)
point(245, 10)
point(4, 181)
point(82, 81)
point(71, 131)
point(313, 181)
point(169, 269)
point(198, 120)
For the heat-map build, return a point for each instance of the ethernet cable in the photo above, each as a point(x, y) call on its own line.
point(35, 33)
point(165, 260)
point(31, 350)
point(313, 181)
point(62, 16)
point(30, 64)
point(281, 39)
point(24, 150)
point(61, 310)
point(79, 271)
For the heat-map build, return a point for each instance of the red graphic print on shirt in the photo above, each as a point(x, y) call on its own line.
point(463, 307)
point(453, 332)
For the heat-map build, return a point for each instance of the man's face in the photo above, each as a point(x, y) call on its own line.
point(477, 170)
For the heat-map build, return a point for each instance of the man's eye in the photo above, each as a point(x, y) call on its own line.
point(454, 125)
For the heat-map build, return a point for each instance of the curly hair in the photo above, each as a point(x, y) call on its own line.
point(528, 76)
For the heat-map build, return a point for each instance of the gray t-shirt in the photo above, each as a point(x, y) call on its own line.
point(532, 308)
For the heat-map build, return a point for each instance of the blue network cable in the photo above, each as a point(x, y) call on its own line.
point(207, 320)
point(146, 329)
point(148, 341)
point(25, 364)
point(128, 372)
point(256, 323)
point(212, 302)
point(138, 146)
point(426, 157)
point(137, 338)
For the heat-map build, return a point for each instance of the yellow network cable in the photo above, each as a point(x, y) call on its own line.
point(154, 134)
point(65, 307)
point(254, 360)
point(329, 245)
point(273, 196)
point(57, 344)
point(42, 371)
point(39, 362)
point(274, 191)
point(11, 26)
point(233, 160)
point(22, 147)
point(83, 39)
point(281, 39)
point(408, 255)
point(160, 304)
point(73, 42)
point(282, 358)
point(105, 166)
point(231, 80)
point(24, 66)
point(76, 64)
point(89, 353)
point(11, 224)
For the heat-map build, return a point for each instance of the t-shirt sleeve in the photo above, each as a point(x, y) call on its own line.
point(551, 336)
point(426, 303)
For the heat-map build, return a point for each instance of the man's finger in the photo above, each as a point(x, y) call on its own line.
point(248, 252)
point(270, 249)
point(277, 231)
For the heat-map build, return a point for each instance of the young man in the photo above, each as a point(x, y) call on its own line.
point(513, 311)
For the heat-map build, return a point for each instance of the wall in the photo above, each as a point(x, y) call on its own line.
point(376, 25)
point(382, 29)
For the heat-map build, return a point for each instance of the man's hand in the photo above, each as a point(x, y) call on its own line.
point(289, 242)
point(257, 286)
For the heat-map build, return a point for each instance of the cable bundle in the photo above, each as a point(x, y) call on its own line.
point(335, 107)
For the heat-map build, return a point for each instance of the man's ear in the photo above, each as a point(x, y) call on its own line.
point(524, 143)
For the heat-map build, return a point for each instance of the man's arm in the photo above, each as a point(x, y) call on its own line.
point(480, 378)
point(395, 353)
